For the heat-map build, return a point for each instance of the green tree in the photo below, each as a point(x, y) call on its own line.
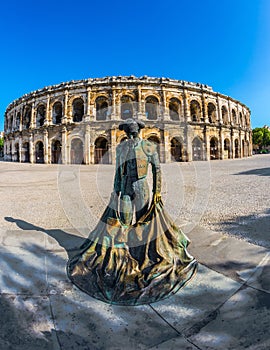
point(261, 137)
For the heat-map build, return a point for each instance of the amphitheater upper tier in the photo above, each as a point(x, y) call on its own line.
point(77, 121)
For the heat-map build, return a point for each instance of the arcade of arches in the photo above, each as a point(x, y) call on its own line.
point(77, 122)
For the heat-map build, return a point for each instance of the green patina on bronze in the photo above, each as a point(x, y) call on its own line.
point(129, 263)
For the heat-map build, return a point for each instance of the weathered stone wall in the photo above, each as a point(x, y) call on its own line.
point(77, 121)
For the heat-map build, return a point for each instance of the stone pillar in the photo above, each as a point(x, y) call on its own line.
point(20, 149)
point(204, 109)
point(186, 106)
point(65, 118)
point(167, 147)
point(87, 109)
point(33, 115)
point(189, 138)
point(218, 111)
point(206, 144)
point(166, 115)
point(139, 112)
point(232, 145)
point(48, 117)
point(64, 145)
point(31, 149)
point(221, 144)
point(87, 145)
point(113, 144)
point(46, 147)
point(113, 106)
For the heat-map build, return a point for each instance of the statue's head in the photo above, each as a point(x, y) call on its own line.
point(131, 127)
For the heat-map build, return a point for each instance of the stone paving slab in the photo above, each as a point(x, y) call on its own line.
point(91, 324)
point(191, 305)
point(26, 323)
point(178, 343)
point(241, 323)
point(230, 256)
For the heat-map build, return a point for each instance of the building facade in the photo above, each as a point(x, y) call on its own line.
point(77, 122)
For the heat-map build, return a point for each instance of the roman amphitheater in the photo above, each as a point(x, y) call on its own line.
point(77, 121)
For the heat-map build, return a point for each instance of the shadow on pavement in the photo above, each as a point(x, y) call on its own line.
point(258, 172)
point(42, 309)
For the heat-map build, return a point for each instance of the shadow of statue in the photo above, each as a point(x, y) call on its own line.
point(71, 243)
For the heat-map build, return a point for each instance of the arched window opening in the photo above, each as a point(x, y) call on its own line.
point(41, 111)
point(195, 111)
point(57, 113)
point(197, 149)
point(17, 153)
point(39, 152)
point(234, 118)
point(227, 149)
point(77, 110)
point(214, 148)
point(25, 152)
point(56, 152)
point(225, 116)
point(126, 107)
point(27, 117)
point(241, 118)
point(18, 120)
point(151, 108)
point(101, 151)
point(174, 108)
point(101, 108)
point(76, 151)
point(176, 150)
point(211, 112)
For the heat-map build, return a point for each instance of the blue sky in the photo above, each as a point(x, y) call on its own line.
point(221, 43)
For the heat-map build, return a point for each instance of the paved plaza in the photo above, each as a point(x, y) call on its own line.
point(48, 210)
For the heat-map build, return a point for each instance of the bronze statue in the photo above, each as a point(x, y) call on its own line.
point(129, 263)
point(132, 159)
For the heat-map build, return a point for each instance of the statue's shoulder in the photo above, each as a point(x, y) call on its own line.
point(149, 147)
point(121, 145)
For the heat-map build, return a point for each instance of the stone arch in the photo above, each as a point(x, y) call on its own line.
point(176, 150)
point(56, 147)
point(77, 110)
point(126, 107)
point(227, 148)
point(195, 111)
point(225, 115)
point(76, 151)
point(27, 117)
point(214, 148)
point(26, 152)
point(39, 152)
point(41, 112)
point(101, 150)
point(197, 149)
point(211, 112)
point(236, 148)
point(151, 107)
point(57, 112)
point(174, 108)
point(101, 104)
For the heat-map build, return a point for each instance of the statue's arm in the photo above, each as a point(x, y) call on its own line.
point(117, 176)
point(156, 176)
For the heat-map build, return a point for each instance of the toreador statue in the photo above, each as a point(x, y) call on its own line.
point(131, 263)
point(133, 157)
